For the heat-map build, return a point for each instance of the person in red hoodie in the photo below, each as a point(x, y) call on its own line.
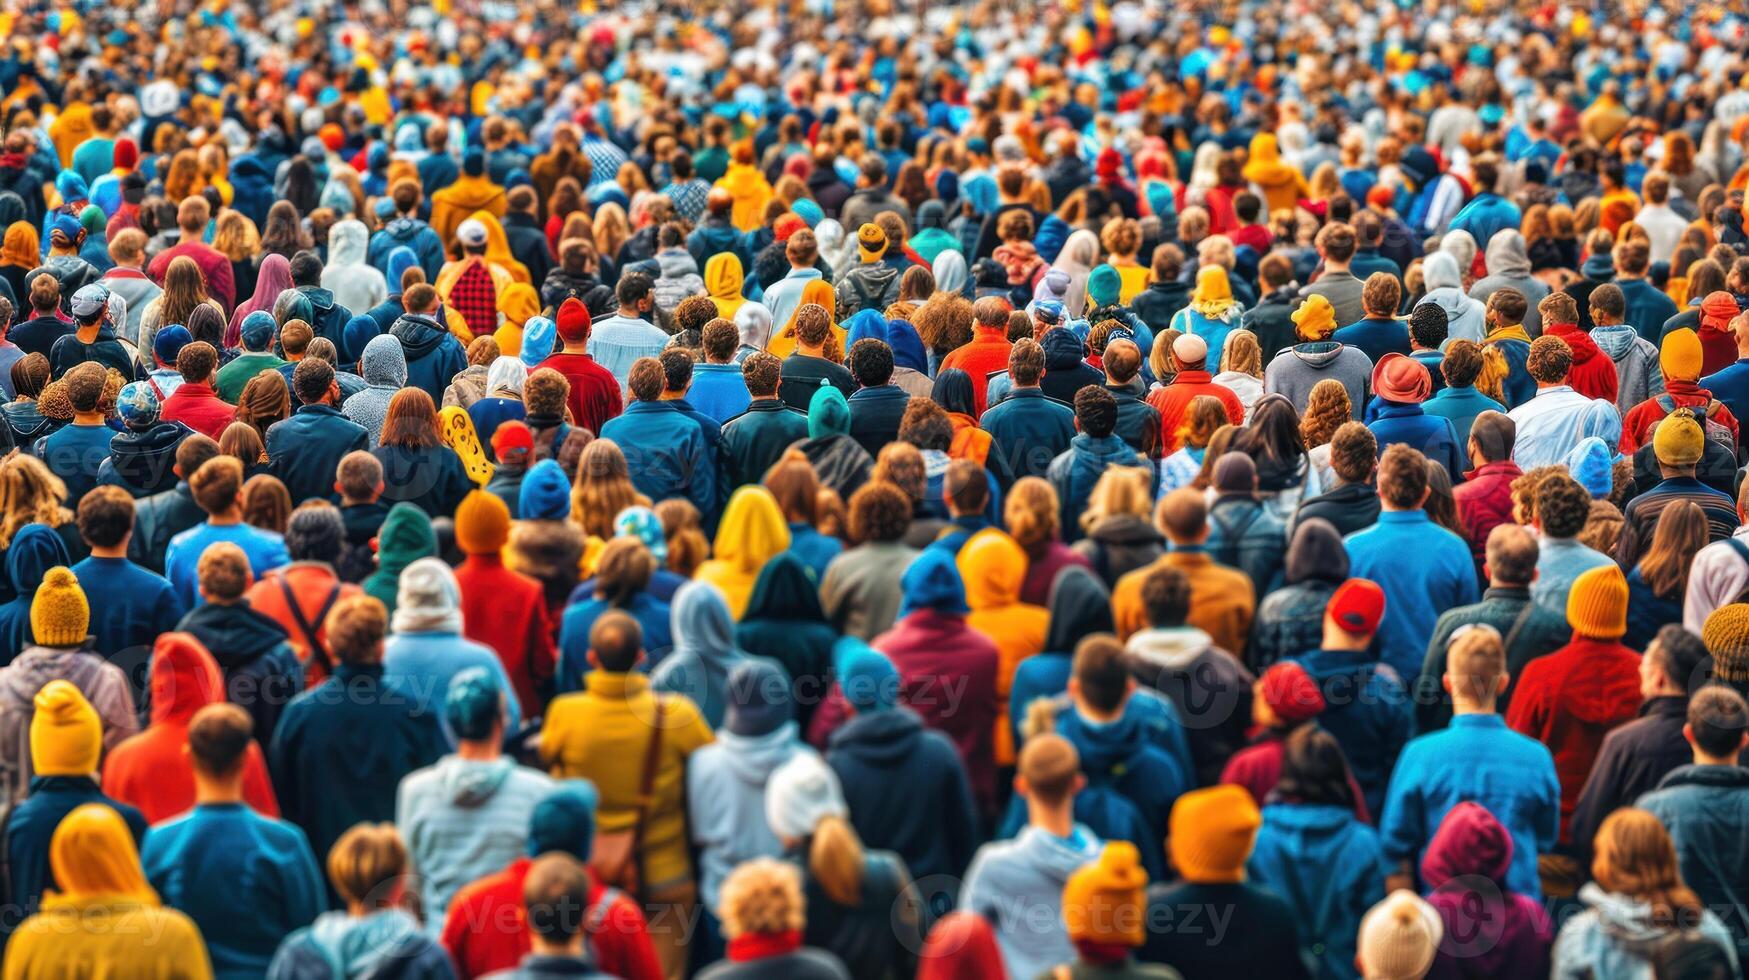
point(1593, 374)
point(299, 596)
point(1190, 356)
point(194, 403)
point(502, 609)
point(1718, 345)
point(988, 349)
point(486, 927)
point(947, 670)
point(1570, 699)
point(1682, 361)
point(1490, 932)
point(595, 394)
point(1484, 499)
point(152, 770)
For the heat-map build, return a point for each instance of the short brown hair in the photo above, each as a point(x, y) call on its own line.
point(45, 292)
point(1382, 294)
point(105, 516)
point(555, 897)
point(366, 860)
point(1462, 362)
point(1631, 257)
point(677, 364)
point(1558, 307)
point(355, 628)
point(406, 193)
point(1123, 359)
point(879, 512)
point(1510, 304)
point(719, 338)
point(1511, 554)
point(545, 392)
point(1165, 596)
point(84, 385)
point(193, 454)
point(1026, 362)
point(646, 379)
point(1337, 242)
point(965, 486)
point(419, 297)
point(1275, 270)
point(219, 737)
point(217, 483)
point(1550, 359)
point(693, 312)
point(195, 361)
point(795, 485)
point(1402, 477)
point(1353, 451)
point(223, 571)
point(1050, 765)
point(1609, 300)
point(359, 474)
point(295, 336)
point(1182, 514)
point(802, 248)
point(763, 373)
point(813, 323)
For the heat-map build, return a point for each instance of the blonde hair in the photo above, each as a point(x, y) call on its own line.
point(1120, 490)
point(235, 236)
point(603, 488)
point(1031, 514)
point(29, 494)
point(835, 859)
point(1242, 353)
point(364, 860)
point(762, 897)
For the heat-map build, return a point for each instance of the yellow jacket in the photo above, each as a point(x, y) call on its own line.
point(753, 530)
point(498, 245)
point(452, 205)
point(70, 128)
point(750, 190)
point(602, 734)
point(993, 565)
point(723, 277)
point(518, 304)
point(1281, 182)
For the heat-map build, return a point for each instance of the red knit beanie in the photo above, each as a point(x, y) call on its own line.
point(572, 320)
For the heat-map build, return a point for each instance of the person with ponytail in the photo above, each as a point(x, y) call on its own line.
point(860, 904)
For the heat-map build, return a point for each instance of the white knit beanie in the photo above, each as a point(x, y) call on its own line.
point(799, 794)
point(1399, 936)
point(427, 599)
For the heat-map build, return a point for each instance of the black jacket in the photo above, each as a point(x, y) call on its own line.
point(1634, 758)
point(1261, 938)
point(141, 462)
point(1138, 423)
point(431, 477)
point(1066, 367)
point(1157, 304)
point(755, 439)
point(305, 450)
point(1272, 321)
point(528, 244)
point(875, 414)
point(871, 938)
point(262, 673)
point(1543, 631)
point(1120, 544)
point(159, 518)
point(1351, 507)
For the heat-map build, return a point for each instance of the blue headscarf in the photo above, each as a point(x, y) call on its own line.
point(401, 258)
point(538, 335)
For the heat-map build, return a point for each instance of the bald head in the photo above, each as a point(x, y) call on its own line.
point(1183, 516)
point(616, 641)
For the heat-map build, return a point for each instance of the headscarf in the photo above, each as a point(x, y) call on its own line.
point(753, 323)
point(1213, 297)
point(752, 530)
point(539, 335)
point(723, 279)
point(273, 278)
point(819, 292)
point(518, 303)
point(506, 374)
point(949, 269)
point(92, 855)
point(21, 246)
point(1717, 311)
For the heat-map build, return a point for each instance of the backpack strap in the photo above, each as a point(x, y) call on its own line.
point(1667, 403)
point(1740, 548)
point(318, 650)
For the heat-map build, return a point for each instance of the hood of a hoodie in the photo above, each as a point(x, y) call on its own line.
point(144, 458)
point(785, 590)
point(1316, 553)
point(1506, 255)
point(1615, 340)
point(1469, 841)
point(1110, 451)
point(1630, 924)
point(235, 635)
point(473, 782)
point(1308, 828)
point(364, 946)
point(1173, 648)
point(384, 364)
point(35, 549)
point(1319, 354)
point(347, 242)
point(1452, 299)
point(752, 531)
point(185, 678)
point(703, 626)
point(887, 739)
point(932, 581)
point(875, 277)
point(828, 413)
point(1079, 605)
point(1583, 345)
point(1062, 349)
point(1127, 530)
point(723, 276)
point(403, 230)
point(1104, 746)
point(992, 565)
point(753, 758)
point(404, 538)
point(419, 334)
point(1598, 268)
point(321, 300)
point(675, 263)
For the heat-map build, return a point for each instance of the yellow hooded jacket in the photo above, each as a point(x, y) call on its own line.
point(452, 205)
point(518, 304)
point(723, 278)
point(70, 128)
point(1281, 182)
point(105, 921)
point(750, 190)
point(752, 531)
point(993, 566)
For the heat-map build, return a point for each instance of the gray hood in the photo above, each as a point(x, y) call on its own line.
point(468, 782)
point(676, 263)
point(1173, 648)
point(359, 947)
point(347, 244)
point(384, 363)
point(1506, 255)
point(1615, 340)
point(753, 758)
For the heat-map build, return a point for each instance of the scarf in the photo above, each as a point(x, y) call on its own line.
point(763, 945)
point(1213, 297)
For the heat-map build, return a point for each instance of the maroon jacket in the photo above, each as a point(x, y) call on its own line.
point(1484, 502)
point(214, 267)
point(947, 674)
point(1490, 933)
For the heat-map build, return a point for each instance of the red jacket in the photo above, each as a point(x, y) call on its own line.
point(1484, 502)
point(1569, 700)
point(151, 770)
point(595, 395)
point(507, 611)
point(214, 267)
point(200, 408)
point(1718, 347)
point(312, 582)
point(947, 674)
point(987, 351)
point(1173, 401)
point(1593, 374)
point(1636, 428)
point(486, 929)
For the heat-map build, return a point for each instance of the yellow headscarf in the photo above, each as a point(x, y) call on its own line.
point(1315, 319)
point(1264, 164)
point(498, 247)
point(70, 128)
point(723, 278)
point(817, 291)
point(752, 531)
point(1213, 296)
point(518, 304)
point(21, 246)
point(92, 854)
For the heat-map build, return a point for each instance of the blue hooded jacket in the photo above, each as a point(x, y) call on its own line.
point(704, 651)
point(35, 549)
point(1330, 867)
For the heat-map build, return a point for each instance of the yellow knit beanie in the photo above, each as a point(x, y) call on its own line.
point(59, 614)
point(1681, 356)
point(1726, 635)
point(1104, 901)
point(1678, 439)
point(482, 524)
point(66, 736)
point(1597, 605)
point(1211, 832)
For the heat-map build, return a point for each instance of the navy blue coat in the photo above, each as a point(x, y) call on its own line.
point(1433, 435)
point(1027, 431)
point(875, 414)
point(304, 450)
point(29, 829)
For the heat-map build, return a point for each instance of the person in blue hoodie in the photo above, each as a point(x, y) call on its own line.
point(222, 856)
point(34, 550)
point(262, 672)
point(428, 649)
point(718, 391)
point(667, 452)
point(904, 782)
point(383, 315)
point(1402, 384)
point(1487, 212)
point(1459, 402)
point(1647, 305)
point(1066, 367)
point(404, 229)
point(1313, 851)
point(725, 781)
point(704, 651)
point(624, 576)
point(1507, 345)
point(434, 355)
point(1075, 471)
point(467, 815)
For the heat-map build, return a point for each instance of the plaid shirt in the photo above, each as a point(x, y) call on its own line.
point(689, 198)
point(475, 297)
point(605, 157)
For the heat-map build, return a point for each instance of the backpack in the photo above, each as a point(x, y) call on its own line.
point(1715, 431)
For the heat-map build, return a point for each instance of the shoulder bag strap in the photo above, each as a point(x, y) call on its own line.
point(647, 781)
point(1518, 622)
point(318, 651)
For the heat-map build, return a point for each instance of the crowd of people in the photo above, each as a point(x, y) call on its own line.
point(1137, 490)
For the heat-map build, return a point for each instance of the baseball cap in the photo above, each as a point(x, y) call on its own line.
point(1358, 605)
point(90, 300)
point(169, 342)
point(471, 232)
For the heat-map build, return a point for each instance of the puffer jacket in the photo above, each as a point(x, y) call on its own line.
point(1616, 936)
point(1484, 502)
point(866, 286)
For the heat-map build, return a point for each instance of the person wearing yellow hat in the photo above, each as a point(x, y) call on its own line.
point(1726, 634)
point(1569, 699)
point(1317, 355)
point(1680, 358)
point(870, 284)
point(1103, 906)
point(1679, 443)
point(1210, 836)
point(502, 609)
point(60, 619)
point(66, 741)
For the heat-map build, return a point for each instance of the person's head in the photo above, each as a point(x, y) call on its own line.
point(763, 373)
point(217, 486)
point(635, 292)
point(358, 478)
point(879, 512)
point(1597, 603)
point(1506, 308)
point(1631, 259)
point(1634, 857)
point(616, 642)
point(813, 324)
point(1336, 243)
point(645, 380)
point(1381, 295)
point(315, 383)
point(1099, 680)
point(1314, 771)
point(223, 573)
point(677, 364)
point(1475, 667)
point(366, 866)
point(1048, 772)
point(45, 295)
point(1718, 725)
point(1353, 452)
point(1402, 478)
point(1428, 324)
point(718, 340)
point(1608, 305)
point(1560, 506)
point(1095, 411)
point(196, 362)
point(1210, 834)
point(926, 425)
point(1352, 615)
point(84, 386)
point(870, 361)
point(1399, 938)
point(219, 736)
point(1183, 516)
point(1275, 271)
point(555, 901)
point(1510, 556)
point(192, 215)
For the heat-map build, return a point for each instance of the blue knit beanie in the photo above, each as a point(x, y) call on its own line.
point(1104, 285)
point(759, 698)
point(808, 211)
point(472, 703)
point(564, 820)
point(865, 675)
point(546, 494)
point(1591, 463)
